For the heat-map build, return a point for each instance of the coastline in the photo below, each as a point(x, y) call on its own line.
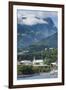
point(38, 76)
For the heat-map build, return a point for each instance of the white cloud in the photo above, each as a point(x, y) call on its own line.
point(32, 21)
point(28, 17)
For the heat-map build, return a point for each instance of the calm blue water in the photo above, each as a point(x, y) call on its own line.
point(40, 76)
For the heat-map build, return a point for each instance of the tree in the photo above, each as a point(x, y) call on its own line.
point(50, 55)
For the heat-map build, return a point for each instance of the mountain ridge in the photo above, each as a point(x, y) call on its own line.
point(26, 35)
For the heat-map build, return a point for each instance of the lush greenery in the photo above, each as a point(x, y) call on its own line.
point(23, 69)
point(26, 69)
point(48, 55)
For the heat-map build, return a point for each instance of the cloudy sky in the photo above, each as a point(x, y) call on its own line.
point(32, 17)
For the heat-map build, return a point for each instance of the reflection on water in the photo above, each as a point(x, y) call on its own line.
point(40, 76)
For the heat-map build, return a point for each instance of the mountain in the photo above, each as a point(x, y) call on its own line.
point(37, 47)
point(29, 34)
point(49, 42)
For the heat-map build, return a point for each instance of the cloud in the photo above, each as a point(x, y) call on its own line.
point(29, 17)
point(30, 20)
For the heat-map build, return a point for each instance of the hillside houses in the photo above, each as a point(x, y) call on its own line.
point(40, 59)
point(35, 62)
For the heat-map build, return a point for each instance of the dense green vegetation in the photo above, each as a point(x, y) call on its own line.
point(22, 69)
point(49, 56)
point(26, 69)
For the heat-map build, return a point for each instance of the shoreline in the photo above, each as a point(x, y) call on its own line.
point(29, 75)
point(38, 76)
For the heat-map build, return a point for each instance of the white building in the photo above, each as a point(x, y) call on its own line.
point(26, 62)
point(38, 61)
point(54, 64)
point(35, 62)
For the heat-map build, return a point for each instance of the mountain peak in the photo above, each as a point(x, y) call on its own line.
point(49, 20)
point(29, 34)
